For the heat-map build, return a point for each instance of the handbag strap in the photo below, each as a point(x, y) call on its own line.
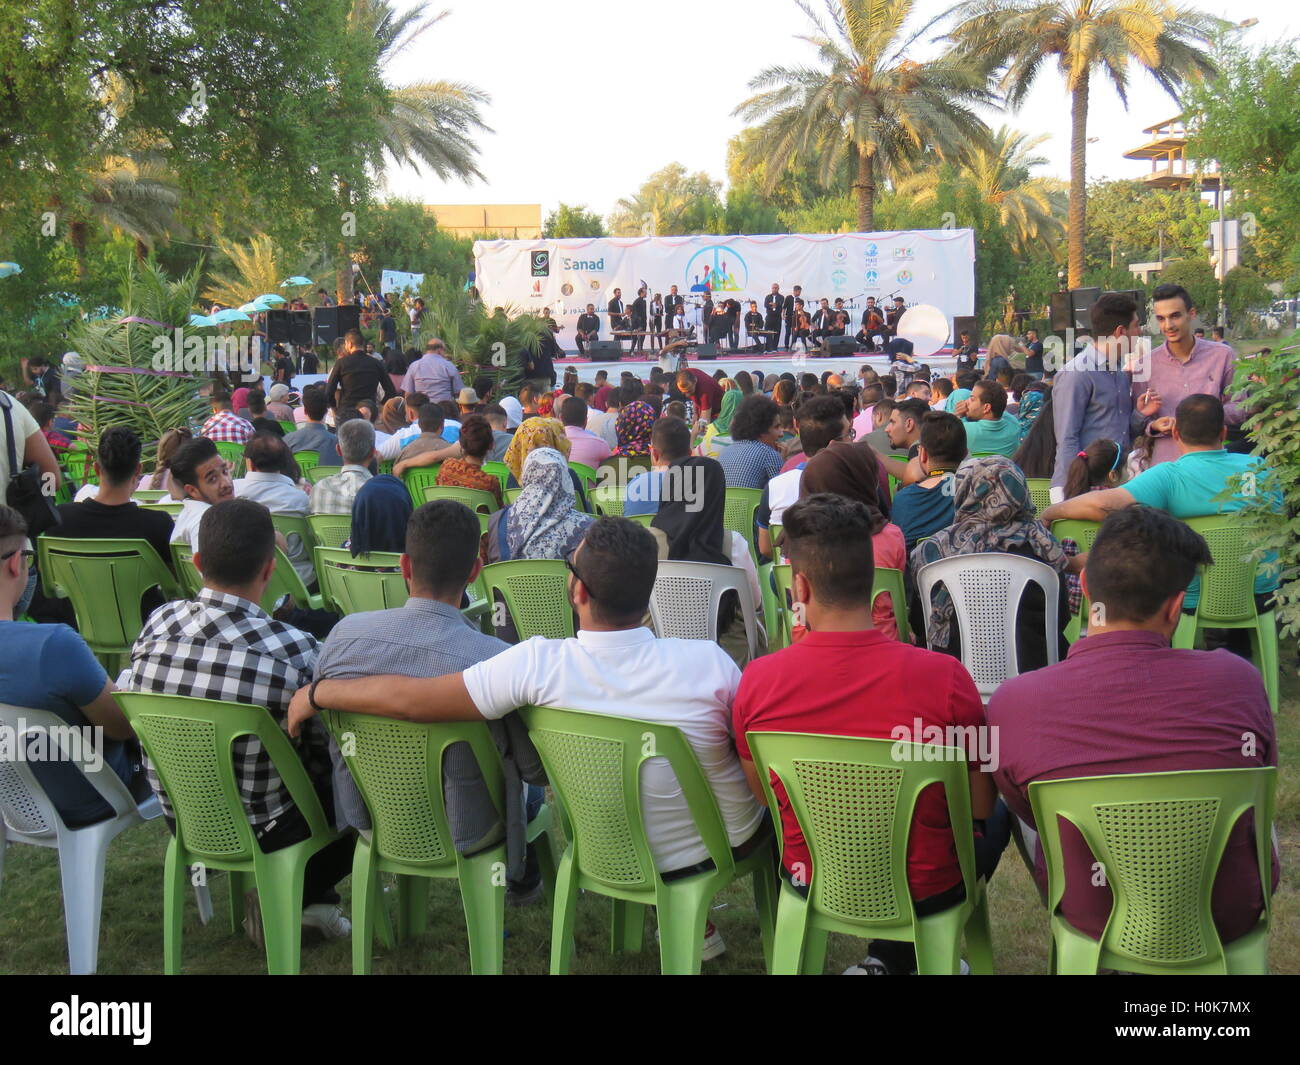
point(9, 435)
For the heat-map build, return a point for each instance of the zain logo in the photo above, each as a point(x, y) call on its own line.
point(904, 277)
point(541, 263)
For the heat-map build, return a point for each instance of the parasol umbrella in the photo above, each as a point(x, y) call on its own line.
point(9, 269)
point(270, 299)
point(230, 314)
point(200, 320)
point(297, 279)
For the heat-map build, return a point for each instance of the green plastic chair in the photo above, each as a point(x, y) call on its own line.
point(510, 495)
point(1082, 533)
point(296, 531)
point(150, 495)
point(188, 741)
point(398, 768)
point(307, 460)
point(351, 585)
point(886, 582)
point(1227, 598)
point(171, 507)
point(739, 511)
point(386, 466)
point(418, 479)
point(105, 580)
point(536, 593)
point(641, 519)
point(1160, 837)
point(593, 762)
point(285, 581)
point(475, 498)
point(498, 470)
point(232, 453)
point(187, 573)
point(1040, 492)
point(318, 473)
point(589, 478)
point(854, 799)
point(288, 427)
point(330, 530)
point(609, 500)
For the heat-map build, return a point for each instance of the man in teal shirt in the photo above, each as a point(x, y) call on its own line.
point(1205, 480)
point(990, 430)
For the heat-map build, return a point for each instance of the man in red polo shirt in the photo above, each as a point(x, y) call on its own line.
point(702, 390)
point(1124, 701)
point(863, 684)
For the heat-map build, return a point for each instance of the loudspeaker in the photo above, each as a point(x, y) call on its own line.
point(1139, 297)
point(964, 324)
point(1081, 301)
point(1061, 316)
point(330, 323)
point(604, 350)
point(841, 345)
point(706, 351)
point(284, 325)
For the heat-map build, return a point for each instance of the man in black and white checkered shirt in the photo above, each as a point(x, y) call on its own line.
point(222, 645)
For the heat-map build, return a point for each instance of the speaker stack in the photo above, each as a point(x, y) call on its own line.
point(285, 326)
point(330, 323)
point(840, 346)
point(964, 324)
point(604, 351)
point(706, 351)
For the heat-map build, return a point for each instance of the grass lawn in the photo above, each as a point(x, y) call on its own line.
point(32, 935)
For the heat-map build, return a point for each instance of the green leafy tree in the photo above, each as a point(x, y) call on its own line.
point(671, 202)
point(1244, 290)
point(1130, 222)
point(1248, 118)
point(402, 235)
point(865, 104)
point(1018, 38)
point(573, 221)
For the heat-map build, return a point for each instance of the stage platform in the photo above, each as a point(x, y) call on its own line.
point(777, 362)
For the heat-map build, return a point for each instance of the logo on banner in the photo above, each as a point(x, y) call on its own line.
point(872, 278)
point(839, 278)
point(904, 277)
point(567, 289)
point(583, 264)
point(903, 254)
point(840, 254)
point(537, 290)
point(716, 269)
point(541, 262)
point(595, 284)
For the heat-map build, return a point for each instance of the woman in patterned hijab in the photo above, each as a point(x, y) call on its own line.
point(543, 521)
point(993, 513)
point(532, 434)
point(635, 422)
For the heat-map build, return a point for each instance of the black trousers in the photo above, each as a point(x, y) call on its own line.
point(773, 326)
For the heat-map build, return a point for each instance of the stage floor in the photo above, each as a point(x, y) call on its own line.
point(777, 362)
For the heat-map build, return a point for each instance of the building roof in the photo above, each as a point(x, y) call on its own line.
point(516, 221)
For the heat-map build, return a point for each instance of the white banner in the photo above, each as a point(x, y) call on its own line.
point(935, 267)
point(397, 280)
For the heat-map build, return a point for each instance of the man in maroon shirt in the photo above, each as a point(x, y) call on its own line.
point(1123, 701)
point(870, 686)
point(704, 390)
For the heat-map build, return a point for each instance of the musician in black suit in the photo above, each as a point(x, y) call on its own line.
point(894, 314)
point(672, 303)
point(706, 312)
point(773, 305)
point(788, 316)
point(822, 320)
point(617, 320)
point(588, 327)
point(755, 322)
point(656, 321)
point(639, 319)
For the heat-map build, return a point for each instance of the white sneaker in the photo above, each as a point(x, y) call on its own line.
point(868, 966)
point(713, 948)
point(327, 920)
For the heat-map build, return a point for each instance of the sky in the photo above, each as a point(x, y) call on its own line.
point(589, 98)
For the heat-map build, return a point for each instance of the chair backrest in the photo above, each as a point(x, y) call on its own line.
point(593, 762)
point(307, 460)
point(1160, 838)
point(609, 500)
point(232, 453)
point(886, 582)
point(171, 507)
point(510, 495)
point(288, 426)
point(536, 593)
point(684, 600)
point(1228, 585)
point(586, 474)
point(187, 573)
point(474, 498)
point(105, 579)
point(859, 862)
point(1081, 532)
point(641, 519)
point(985, 589)
point(738, 513)
point(318, 473)
point(418, 479)
point(80, 464)
point(1040, 492)
point(498, 470)
point(188, 741)
point(296, 531)
point(330, 530)
point(397, 766)
point(27, 812)
point(284, 581)
point(150, 495)
point(366, 582)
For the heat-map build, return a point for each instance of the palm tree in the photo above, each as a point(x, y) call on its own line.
point(126, 194)
point(258, 269)
point(865, 102)
point(1030, 209)
point(1018, 37)
point(427, 124)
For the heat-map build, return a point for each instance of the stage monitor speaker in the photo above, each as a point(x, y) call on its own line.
point(604, 350)
point(706, 351)
point(841, 345)
point(1140, 298)
point(1081, 301)
point(293, 327)
point(330, 323)
point(965, 323)
point(1061, 317)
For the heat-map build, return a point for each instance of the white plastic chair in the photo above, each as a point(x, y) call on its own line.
point(27, 815)
point(985, 589)
point(684, 602)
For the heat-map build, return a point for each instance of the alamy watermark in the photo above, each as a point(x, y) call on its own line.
point(57, 743)
point(191, 353)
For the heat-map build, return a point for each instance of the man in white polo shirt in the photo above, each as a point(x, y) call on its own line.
point(613, 666)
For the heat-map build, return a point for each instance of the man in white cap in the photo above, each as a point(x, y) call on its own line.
point(277, 402)
point(514, 411)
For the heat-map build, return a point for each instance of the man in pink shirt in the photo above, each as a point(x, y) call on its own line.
point(862, 422)
point(1184, 365)
point(585, 446)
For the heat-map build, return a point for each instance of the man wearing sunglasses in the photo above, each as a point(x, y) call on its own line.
point(49, 667)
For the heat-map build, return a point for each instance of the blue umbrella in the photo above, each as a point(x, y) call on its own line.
point(200, 320)
point(297, 279)
point(9, 269)
point(250, 308)
point(229, 314)
point(270, 299)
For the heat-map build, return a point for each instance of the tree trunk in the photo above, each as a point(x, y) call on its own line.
point(343, 279)
point(864, 189)
point(1078, 217)
point(141, 250)
point(77, 238)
